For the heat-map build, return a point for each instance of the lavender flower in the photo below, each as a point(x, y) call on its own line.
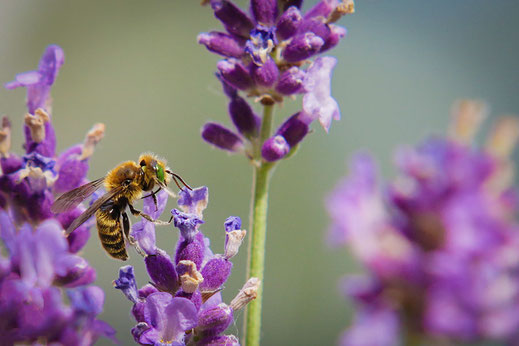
point(41, 266)
point(183, 304)
point(267, 56)
point(437, 243)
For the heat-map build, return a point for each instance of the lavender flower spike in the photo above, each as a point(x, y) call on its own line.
point(41, 267)
point(433, 241)
point(183, 304)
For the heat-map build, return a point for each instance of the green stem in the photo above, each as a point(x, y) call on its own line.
point(258, 229)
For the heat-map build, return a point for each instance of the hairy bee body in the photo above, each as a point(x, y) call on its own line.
point(124, 184)
point(110, 231)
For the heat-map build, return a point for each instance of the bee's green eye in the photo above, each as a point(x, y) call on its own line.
point(160, 173)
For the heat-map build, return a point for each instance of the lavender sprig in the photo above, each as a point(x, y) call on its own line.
point(268, 56)
point(439, 243)
point(182, 305)
point(41, 265)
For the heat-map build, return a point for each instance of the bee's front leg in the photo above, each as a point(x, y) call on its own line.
point(136, 212)
point(154, 198)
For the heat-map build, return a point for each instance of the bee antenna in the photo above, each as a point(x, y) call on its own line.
point(175, 177)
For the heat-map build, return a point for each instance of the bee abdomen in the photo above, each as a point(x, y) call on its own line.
point(111, 236)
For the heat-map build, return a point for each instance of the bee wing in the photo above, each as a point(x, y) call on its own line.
point(93, 208)
point(70, 200)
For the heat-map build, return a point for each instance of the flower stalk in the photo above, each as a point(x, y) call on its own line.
point(258, 227)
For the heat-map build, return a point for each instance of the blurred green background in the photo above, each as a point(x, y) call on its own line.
point(136, 66)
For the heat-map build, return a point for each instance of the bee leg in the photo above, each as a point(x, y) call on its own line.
point(154, 198)
point(136, 212)
point(131, 240)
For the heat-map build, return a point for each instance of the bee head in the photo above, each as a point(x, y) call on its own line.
point(152, 168)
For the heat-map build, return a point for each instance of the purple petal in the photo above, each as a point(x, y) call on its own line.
point(232, 223)
point(149, 207)
point(318, 102)
point(168, 317)
point(71, 170)
point(194, 201)
point(144, 233)
point(186, 223)
point(126, 283)
point(384, 321)
point(50, 63)
point(162, 271)
point(87, 300)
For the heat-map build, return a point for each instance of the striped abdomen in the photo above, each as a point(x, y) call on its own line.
point(110, 232)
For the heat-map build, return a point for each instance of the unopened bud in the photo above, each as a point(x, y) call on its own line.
point(248, 292)
point(36, 124)
point(5, 137)
point(92, 138)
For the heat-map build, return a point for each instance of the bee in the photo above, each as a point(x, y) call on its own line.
point(124, 185)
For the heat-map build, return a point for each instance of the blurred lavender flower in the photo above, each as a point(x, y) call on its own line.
point(183, 303)
point(267, 56)
point(440, 244)
point(41, 265)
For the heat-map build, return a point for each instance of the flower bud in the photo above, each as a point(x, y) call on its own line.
point(288, 23)
point(243, 117)
point(265, 74)
point(275, 148)
point(248, 292)
point(232, 17)
point(336, 34)
point(214, 321)
point(233, 236)
point(235, 74)
point(5, 138)
point(221, 137)
point(264, 11)
point(291, 81)
point(302, 47)
point(293, 130)
point(220, 43)
point(315, 26)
